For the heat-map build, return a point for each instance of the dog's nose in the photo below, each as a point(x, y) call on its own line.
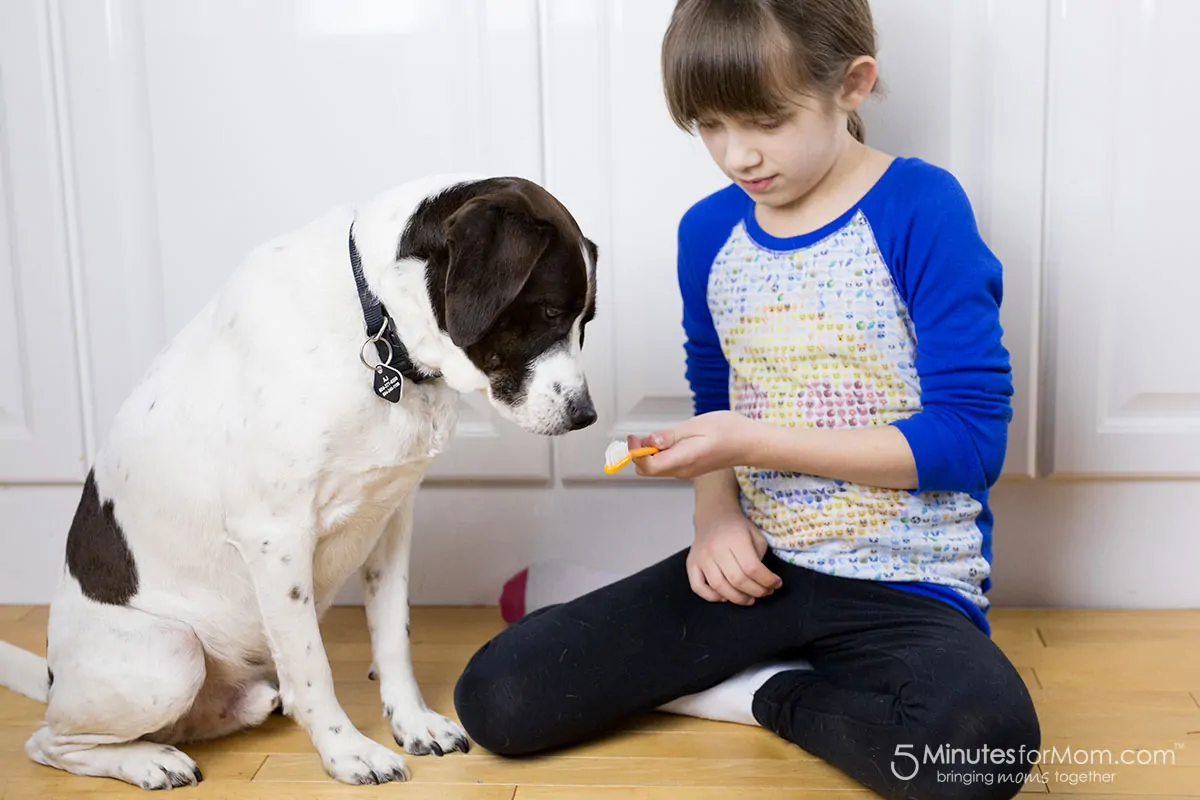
point(581, 412)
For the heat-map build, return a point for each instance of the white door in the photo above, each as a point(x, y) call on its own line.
point(41, 422)
point(1123, 269)
point(968, 99)
point(202, 129)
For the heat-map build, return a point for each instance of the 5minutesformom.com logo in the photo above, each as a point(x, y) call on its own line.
point(906, 763)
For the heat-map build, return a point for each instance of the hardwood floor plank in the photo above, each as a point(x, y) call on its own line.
point(568, 771)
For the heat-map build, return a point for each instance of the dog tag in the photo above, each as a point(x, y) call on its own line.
point(389, 383)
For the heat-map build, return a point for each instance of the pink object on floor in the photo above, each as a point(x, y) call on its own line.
point(512, 597)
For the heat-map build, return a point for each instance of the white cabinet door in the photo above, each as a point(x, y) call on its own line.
point(1125, 277)
point(961, 94)
point(41, 423)
point(202, 129)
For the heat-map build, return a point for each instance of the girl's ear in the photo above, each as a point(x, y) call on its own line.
point(858, 83)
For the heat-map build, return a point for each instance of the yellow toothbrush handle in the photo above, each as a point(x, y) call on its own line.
point(635, 453)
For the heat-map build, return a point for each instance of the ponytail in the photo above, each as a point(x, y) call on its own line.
point(857, 129)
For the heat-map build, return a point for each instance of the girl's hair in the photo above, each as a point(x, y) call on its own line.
point(740, 57)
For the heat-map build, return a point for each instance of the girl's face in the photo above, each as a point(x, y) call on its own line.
point(777, 160)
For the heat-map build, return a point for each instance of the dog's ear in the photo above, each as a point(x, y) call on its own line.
point(494, 242)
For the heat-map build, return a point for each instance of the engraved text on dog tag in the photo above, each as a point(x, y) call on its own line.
point(389, 383)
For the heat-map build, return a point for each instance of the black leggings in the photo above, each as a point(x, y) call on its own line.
point(897, 677)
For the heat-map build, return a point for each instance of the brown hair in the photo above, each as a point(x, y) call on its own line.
point(740, 57)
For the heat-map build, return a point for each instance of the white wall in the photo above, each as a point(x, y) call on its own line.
point(137, 164)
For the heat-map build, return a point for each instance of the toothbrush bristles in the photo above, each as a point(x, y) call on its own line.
point(615, 453)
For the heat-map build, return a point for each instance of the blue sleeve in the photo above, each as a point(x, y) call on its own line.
point(702, 232)
point(952, 286)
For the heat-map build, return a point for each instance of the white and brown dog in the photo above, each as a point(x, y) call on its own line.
point(266, 456)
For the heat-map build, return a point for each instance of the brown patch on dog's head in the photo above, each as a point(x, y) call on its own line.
point(512, 281)
point(495, 242)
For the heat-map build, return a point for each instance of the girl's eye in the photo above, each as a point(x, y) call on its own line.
point(769, 124)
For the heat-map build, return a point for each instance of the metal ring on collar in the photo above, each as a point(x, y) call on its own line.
point(362, 351)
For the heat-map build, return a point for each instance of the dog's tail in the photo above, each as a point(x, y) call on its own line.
point(24, 672)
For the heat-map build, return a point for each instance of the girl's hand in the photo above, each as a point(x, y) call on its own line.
point(725, 562)
point(703, 444)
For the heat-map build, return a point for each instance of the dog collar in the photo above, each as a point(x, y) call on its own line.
point(395, 366)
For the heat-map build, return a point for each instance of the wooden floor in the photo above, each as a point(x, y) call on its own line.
point(1108, 685)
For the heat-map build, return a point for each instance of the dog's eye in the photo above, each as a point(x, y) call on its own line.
point(550, 312)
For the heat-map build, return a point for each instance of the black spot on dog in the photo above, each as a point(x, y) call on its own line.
point(335, 728)
point(49, 677)
point(152, 402)
point(97, 554)
point(294, 593)
point(285, 560)
point(309, 684)
point(266, 545)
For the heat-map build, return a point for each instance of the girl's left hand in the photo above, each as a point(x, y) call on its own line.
point(707, 443)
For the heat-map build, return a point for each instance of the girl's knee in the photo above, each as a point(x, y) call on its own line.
point(494, 707)
point(982, 743)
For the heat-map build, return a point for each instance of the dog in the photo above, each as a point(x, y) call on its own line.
point(275, 447)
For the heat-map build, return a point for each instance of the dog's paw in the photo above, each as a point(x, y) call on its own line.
point(424, 732)
point(157, 767)
point(353, 758)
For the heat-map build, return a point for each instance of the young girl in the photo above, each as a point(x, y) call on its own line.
point(852, 399)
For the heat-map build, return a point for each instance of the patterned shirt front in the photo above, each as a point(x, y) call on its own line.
point(875, 319)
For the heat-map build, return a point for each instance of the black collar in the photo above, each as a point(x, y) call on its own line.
point(380, 328)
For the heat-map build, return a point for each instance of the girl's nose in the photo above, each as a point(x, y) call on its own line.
point(740, 157)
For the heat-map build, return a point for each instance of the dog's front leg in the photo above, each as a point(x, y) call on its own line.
point(385, 578)
point(280, 560)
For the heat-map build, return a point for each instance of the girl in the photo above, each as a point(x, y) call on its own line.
point(852, 399)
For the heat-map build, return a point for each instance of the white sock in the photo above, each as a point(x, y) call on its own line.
point(732, 700)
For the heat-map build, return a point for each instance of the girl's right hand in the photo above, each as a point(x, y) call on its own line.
point(725, 562)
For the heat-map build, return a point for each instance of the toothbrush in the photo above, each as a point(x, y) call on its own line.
point(618, 454)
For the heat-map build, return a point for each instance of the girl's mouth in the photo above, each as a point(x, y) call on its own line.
point(759, 185)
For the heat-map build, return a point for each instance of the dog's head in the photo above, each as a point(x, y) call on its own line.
point(512, 280)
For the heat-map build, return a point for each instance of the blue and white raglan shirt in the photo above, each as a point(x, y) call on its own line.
point(889, 315)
